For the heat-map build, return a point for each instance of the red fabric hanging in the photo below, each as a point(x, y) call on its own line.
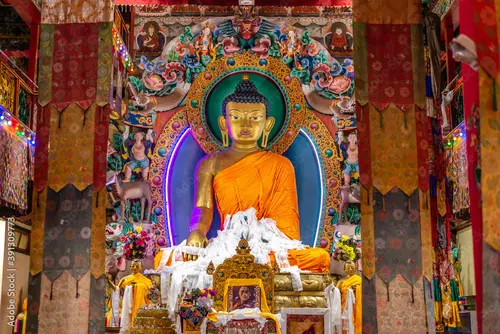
point(468, 26)
point(422, 128)
point(365, 161)
point(390, 67)
point(74, 69)
point(485, 21)
point(42, 147)
point(290, 3)
point(101, 129)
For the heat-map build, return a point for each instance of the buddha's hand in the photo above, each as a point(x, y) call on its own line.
point(195, 239)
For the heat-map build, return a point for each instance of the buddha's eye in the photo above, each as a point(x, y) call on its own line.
point(235, 117)
point(256, 118)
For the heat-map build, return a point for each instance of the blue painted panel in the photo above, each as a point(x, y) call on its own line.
point(181, 188)
point(307, 173)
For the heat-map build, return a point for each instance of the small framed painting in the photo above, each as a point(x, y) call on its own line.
point(305, 321)
point(242, 297)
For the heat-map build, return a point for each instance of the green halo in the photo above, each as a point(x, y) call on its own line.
point(212, 108)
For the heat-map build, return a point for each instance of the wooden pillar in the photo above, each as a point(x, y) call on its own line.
point(67, 284)
point(33, 61)
point(483, 139)
point(393, 142)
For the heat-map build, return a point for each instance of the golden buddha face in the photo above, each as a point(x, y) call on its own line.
point(135, 267)
point(246, 121)
point(244, 117)
point(350, 268)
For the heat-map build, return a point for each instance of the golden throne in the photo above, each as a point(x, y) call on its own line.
point(278, 286)
point(278, 290)
point(242, 266)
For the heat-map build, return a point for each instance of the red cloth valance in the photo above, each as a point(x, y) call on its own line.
point(289, 3)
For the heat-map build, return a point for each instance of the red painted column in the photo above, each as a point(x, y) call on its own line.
point(471, 103)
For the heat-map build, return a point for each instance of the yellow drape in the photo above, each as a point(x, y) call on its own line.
point(141, 285)
point(266, 182)
point(344, 286)
point(159, 256)
point(110, 312)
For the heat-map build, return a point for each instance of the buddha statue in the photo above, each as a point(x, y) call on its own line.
point(245, 176)
point(141, 287)
point(351, 281)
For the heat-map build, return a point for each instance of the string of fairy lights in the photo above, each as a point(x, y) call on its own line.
point(13, 125)
point(122, 50)
point(455, 136)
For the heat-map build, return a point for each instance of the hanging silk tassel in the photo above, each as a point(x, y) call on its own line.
point(387, 289)
point(409, 204)
point(77, 294)
point(412, 295)
point(97, 200)
point(381, 120)
point(59, 119)
point(51, 286)
point(383, 204)
point(406, 121)
point(495, 106)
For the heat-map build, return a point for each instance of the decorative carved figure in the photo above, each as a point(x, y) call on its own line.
point(134, 190)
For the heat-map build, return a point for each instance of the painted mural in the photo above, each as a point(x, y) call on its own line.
point(182, 57)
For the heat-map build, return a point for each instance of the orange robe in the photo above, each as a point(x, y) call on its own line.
point(266, 182)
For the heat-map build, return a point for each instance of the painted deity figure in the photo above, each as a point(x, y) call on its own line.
point(290, 46)
point(204, 45)
point(141, 287)
point(339, 40)
point(349, 193)
point(138, 151)
point(350, 155)
point(149, 37)
point(244, 176)
point(246, 23)
point(351, 282)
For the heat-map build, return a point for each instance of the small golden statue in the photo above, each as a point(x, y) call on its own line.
point(352, 281)
point(140, 283)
